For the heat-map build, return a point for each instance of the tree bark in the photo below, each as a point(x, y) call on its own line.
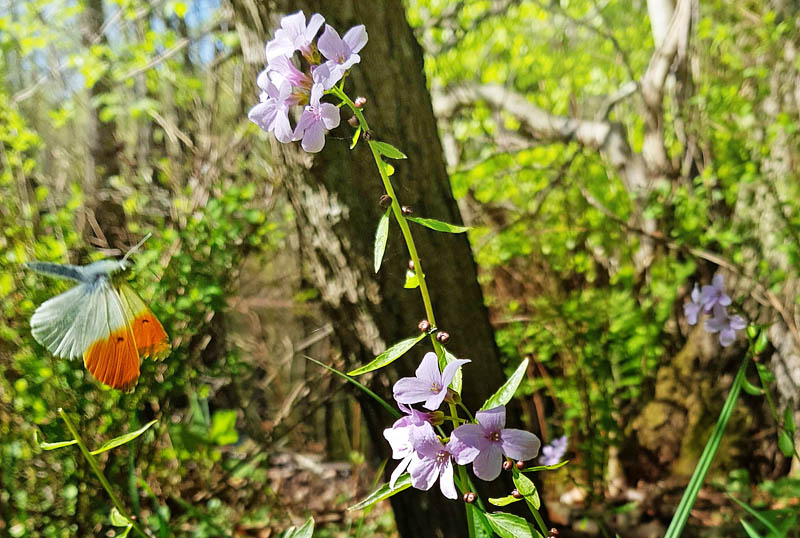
point(335, 197)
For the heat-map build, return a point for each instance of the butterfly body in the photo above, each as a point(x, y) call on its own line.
point(107, 324)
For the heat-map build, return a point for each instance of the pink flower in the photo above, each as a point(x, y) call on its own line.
point(433, 460)
point(294, 35)
point(429, 385)
point(272, 113)
point(341, 53)
point(316, 118)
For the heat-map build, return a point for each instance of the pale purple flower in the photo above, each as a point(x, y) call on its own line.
point(294, 35)
point(725, 325)
point(553, 452)
point(433, 461)
point(282, 68)
point(341, 53)
point(272, 113)
point(692, 309)
point(429, 385)
point(316, 118)
point(399, 437)
point(493, 441)
point(714, 294)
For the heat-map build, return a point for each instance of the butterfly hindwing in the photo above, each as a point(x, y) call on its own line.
point(59, 323)
point(151, 339)
point(111, 356)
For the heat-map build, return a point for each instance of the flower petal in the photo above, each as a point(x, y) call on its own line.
point(435, 400)
point(356, 38)
point(471, 435)
point(461, 452)
point(492, 420)
point(330, 44)
point(727, 337)
point(401, 467)
point(282, 128)
point(428, 369)
point(451, 369)
point(519, 444)
point(313, 27)
point(330, 115)
point(423, 472)
point(446, 484)
point(411, 390)
point(314, 138)
point(488, 463)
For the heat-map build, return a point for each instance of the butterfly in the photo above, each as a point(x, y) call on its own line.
point(100, 319)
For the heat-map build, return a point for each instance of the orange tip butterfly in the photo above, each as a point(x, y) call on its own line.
point(105, 322)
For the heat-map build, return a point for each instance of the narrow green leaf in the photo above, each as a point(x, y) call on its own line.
point(411, 280)
point(504, 501)
point(392, 411)
point(383, 492)
point(51, 446)
point(455, 385)
point(389, 150)
point(482, 527)
point(356, 136)
point(788, 420)
point(117, 519)
point(545, 467)
point(306, 531)
point(764, 373)
point(389, 356)
point(786, 443)
point(764, 521)
point(750, 530)
point(122, 439)
point(527, 489)
point(511, 526)
point(438, 225)
point(381, 236)
point(506, 392)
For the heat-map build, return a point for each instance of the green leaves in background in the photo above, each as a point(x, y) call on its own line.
point(223, 427)
point(108, 445)
point(383, 492)
point(306, 531)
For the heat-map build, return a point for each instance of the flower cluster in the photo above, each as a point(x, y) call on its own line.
point(712, 299)
point(552, 453)
point(424, 454)
point(283, 85)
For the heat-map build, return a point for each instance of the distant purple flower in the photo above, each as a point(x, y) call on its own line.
point(434, 461)
point(429, 385)
point(725, 325)
point(294, 35)
point(341, 53)
point(692, 309)
point(492, 441)
point(316, 118)
point(272, 113)
point(714, 294)
point(553, 452)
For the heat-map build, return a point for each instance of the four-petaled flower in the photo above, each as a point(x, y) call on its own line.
point(433, 460)
point(272, 113)
point(399, 437)
point(492, 441)
point(429, 386)
point(553, 452)
point(725, 325)
point(342, 53)
point(316, 118)
point(714, 294)
point(294, 35)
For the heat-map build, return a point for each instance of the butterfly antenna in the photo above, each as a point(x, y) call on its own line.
point(135, 247)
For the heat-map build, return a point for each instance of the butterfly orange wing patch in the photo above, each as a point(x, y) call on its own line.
point(114, 360)
point(150, 337)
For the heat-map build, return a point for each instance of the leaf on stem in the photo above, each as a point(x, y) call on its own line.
point(455, 385)
point(122, 439)
point(388, 356)
point(506, 392)
point(356, 136)
point(527, 489)
point(545, 467)
point(381, 236)
point(438, 225)
point(511, 526)
point(117, 519)
point(388, 150)
point(504, 501)
point(51, 446)
point(306, 531)
point(383, 492)
point(411, 280)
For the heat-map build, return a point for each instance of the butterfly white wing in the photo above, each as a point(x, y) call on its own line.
point(60, 323)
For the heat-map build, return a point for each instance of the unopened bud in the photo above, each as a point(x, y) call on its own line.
point(367, 135)
point(436, 418)
point(752, 331)
point(442, 337)
point(385, 200)
point(360, 101)
point(520, 464)
point(469, 497)
point(553, 533)
point(406, 210)
point(424, 326)
point(410, 265)
point(506, 465)
point(761, 342)
point(516, 494)
point(353, 121)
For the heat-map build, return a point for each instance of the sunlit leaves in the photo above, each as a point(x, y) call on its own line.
point(388, 356)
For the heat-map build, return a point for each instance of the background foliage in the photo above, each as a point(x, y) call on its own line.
point(554, 229)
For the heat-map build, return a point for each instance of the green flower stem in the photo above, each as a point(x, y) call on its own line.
point(693, 488)
point(103, 480)
point(462, 478)
point(399, 217)
point(772, 408)
point(540, 522)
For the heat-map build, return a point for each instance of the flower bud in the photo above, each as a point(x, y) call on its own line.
point(353, 121)
point(410, 265)
point(442, 337)
point(368, 135)
point(385, 200)
point(516, 494)
point(469, 497)
point(436, 418)
point(406, 210)
point(506, 465)
point(424, 326)
point(452, 397)
point(360, 101)
point(553, 533)
point(752, 331)
point(520, 464)
point(761, 342)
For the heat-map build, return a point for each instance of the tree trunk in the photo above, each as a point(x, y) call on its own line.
point(335, 197)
